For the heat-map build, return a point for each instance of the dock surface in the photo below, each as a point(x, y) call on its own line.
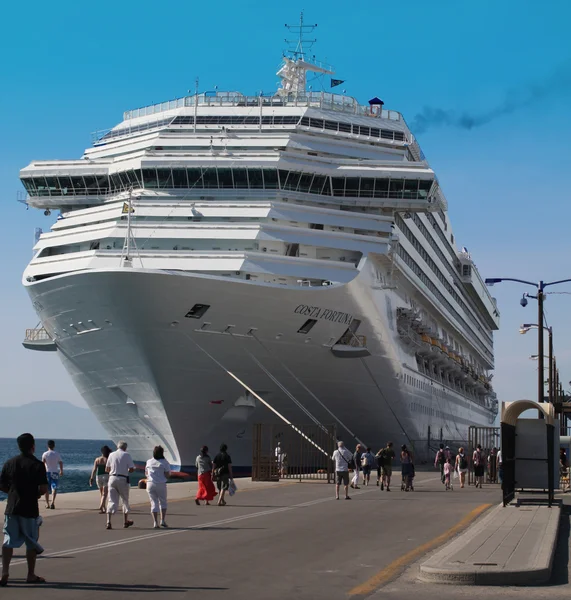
point(272, 541)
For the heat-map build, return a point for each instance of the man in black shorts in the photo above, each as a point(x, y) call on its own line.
point(24, 479)
point(385, 459)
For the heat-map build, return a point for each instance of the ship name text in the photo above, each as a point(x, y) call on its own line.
point(327, 314)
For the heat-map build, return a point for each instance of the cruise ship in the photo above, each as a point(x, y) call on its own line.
point(222, 259)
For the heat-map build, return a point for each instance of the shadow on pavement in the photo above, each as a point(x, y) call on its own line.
point(112, 587)
point(560, 572)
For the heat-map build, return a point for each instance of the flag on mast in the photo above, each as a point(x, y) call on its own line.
point(125, 210)
point(336, 82)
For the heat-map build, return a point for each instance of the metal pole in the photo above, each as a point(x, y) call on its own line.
point(540, 373)
point(551, 390)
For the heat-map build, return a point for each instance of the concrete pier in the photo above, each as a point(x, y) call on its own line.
point(272, 541)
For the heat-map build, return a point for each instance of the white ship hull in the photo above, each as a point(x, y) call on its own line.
point(150, 375)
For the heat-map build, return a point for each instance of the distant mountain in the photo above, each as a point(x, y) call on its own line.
point(50, 419)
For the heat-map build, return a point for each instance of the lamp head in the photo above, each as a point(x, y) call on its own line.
point(491, 280)
point(523, 301)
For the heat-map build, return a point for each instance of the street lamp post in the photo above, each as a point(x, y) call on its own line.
point(524, 329)
point(540, 286)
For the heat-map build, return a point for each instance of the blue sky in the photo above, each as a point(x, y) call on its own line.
point(71, 68)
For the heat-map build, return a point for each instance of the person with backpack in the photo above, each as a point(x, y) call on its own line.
point(440, 461)
point(461, 466)
point(385, 459)
point(222, 472)
point(357, 458)
point(367, 461)
point(478, 462)
point(407, 469)
point(343, 459)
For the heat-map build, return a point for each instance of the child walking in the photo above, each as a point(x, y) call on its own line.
point(447, 473)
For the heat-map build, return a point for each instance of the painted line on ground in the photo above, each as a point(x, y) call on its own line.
point(394, 569)
point(174, 531)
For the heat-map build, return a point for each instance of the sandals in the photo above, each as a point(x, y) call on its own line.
point(36, 579)
point(128, 524)
point(108, 526)
point(197, 501)
point(4, 581)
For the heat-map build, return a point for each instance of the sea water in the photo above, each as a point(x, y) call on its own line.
point(77, 457)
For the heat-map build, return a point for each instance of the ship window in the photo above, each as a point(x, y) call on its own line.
point(209, 177)
point(305, 122)
point(386, 134)
point(134, 178)
point(150, 178)
point(331, 125)
point(292, 181)
point(399, 135)
point(240, 178)
point(115, 182)
point(305, 182)
point(65, 185)
point(307, 326)
point(346, 127)
point(396, 188)
point(367, 187)
point(125, 181)
point(225, 178)
point(256, 179)
point(352, 186)
point(194, 177)
point(197, 311)
point(165, 178)
point(338, 186)
point(365, 131)
point(411, 188)
point(317, 184)
point(375, 132)
point(271, 179)
point(424, 187)
point(317, 123)
point(179, 178)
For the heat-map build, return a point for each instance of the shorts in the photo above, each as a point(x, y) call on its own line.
point(479, 470)
point(223, 482)
point(102, 480)
point(366, 470)
point(21, 530)
point(342, 477)
point(53, 480)
point(387, 471)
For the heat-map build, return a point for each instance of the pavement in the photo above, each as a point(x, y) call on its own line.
point(272, 541)
point(512, 545)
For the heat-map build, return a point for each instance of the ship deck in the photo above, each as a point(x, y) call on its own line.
point(272, 541)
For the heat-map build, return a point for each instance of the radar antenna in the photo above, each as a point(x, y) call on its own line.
point(293, 72)
point(300, 30)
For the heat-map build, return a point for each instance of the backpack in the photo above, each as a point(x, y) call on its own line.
point(463, 462)
point(477, 458)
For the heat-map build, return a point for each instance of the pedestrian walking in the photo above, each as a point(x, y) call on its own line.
point(54, 469)
point(357, 467)
point(407, 469)
point(492, 465)
point(342, 457)
point(157, 471)
point(119, 466)
point(385, 459)
point(206, 490)
point(447, 468)
point(461, 466)
point(500, 466)
point(367, 462)
point(440, 461)
point(478, 463)
point(222, 469)
point(101, 477)
point(24, 479)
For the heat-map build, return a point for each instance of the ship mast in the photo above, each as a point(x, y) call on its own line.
point(293, 72)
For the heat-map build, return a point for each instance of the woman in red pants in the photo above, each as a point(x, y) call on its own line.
point(206, 490)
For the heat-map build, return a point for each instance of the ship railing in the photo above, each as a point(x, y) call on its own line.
point(322, 100)
point(37, 334)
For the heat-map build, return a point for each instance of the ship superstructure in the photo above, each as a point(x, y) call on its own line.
point(300, 241)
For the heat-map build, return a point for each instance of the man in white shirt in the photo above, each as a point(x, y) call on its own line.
point(119, 465)
point(279, 454)
point(342, 458)
point(500, 466)
point(54, 470)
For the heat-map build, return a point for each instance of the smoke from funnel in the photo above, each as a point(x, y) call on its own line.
point(557, 84)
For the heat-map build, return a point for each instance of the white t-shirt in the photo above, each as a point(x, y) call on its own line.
point(120, 462)
point(342, 456)
point(499, 459)
point(157, 470)
point(51, 459)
